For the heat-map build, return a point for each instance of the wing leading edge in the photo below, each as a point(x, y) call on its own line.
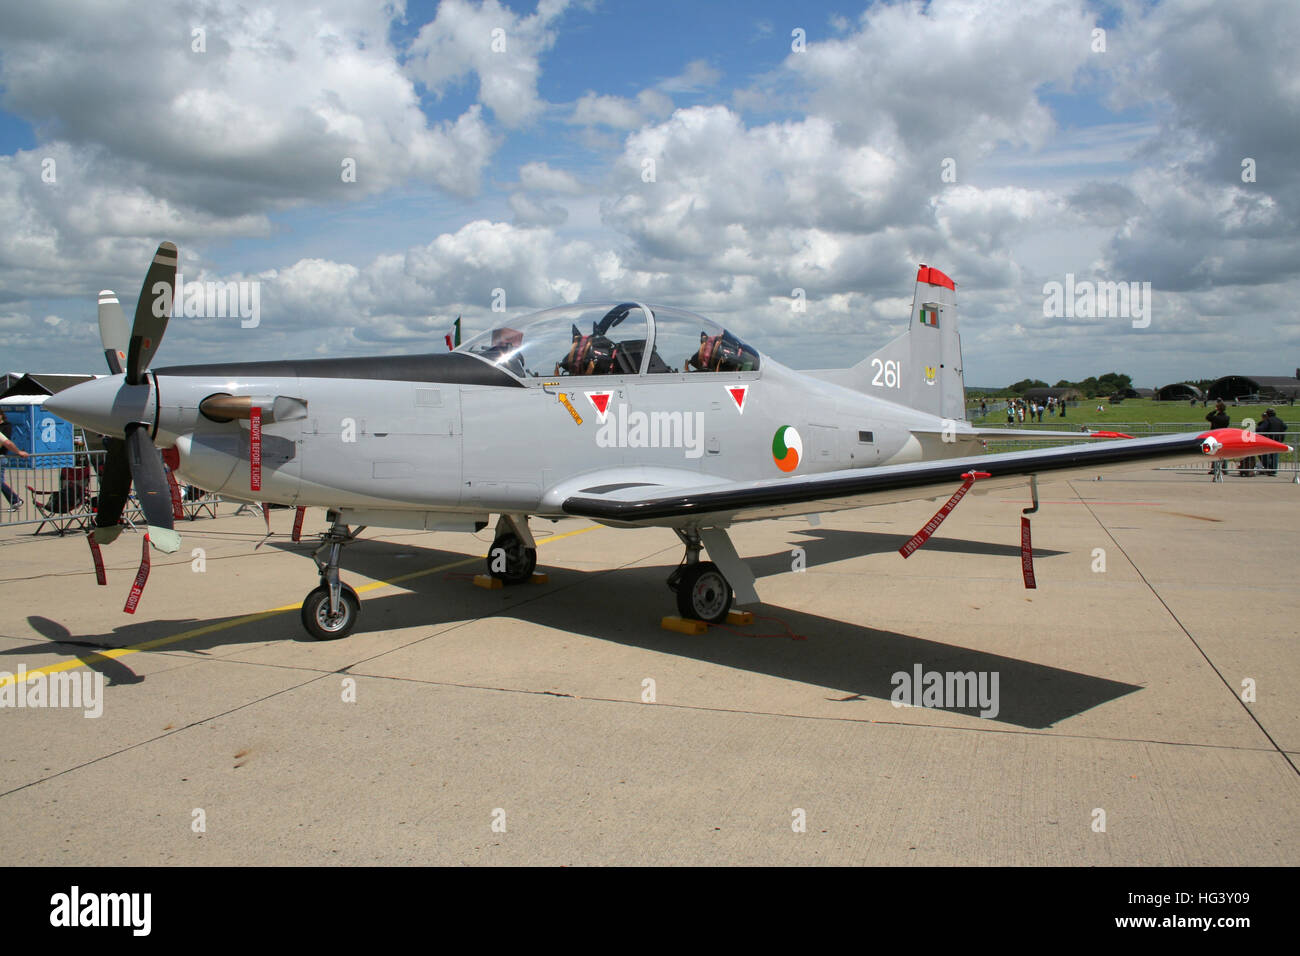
point(854, 488)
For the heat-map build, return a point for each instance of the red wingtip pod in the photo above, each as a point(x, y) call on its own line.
point(1239, 443)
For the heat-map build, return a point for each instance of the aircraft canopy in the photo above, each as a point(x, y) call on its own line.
point(611, 339)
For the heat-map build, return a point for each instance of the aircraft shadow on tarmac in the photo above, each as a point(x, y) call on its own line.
point(624, 605)
point(114, 671)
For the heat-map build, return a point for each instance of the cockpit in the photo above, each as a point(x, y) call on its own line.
point(603, 339)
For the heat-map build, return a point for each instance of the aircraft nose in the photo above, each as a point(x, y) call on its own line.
point(106, 405)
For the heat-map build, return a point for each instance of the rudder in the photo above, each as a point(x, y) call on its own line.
point(922, 368)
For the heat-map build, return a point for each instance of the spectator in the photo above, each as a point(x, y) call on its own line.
point(10, 448)
point(1217, 419)
point(1270, 426)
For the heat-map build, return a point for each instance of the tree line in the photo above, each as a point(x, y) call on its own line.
point(1093, 386)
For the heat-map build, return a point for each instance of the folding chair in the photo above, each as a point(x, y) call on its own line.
point(67, 506)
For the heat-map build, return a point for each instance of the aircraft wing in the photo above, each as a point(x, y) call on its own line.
point(722, 502)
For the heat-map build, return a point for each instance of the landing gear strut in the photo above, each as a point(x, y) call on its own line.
point(332, 609)
point(513, 555)
point(703, 592)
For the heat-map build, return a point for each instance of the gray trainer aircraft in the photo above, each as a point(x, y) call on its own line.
point(627, 414)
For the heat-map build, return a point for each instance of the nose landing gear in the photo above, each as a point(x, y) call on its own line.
point(331, 610)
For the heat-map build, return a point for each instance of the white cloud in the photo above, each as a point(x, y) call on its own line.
point(948, 76)
point(489, 41)
point(264, 116)
point(620, 112)
point(529, 212)
point(542, 177)
point(697, 76)
point(202, 144)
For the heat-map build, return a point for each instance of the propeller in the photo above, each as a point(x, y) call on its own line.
point(135, 458)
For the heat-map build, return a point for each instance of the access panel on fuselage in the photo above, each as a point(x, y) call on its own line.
point(384, 441)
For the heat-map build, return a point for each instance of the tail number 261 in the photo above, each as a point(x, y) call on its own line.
point(889, 374)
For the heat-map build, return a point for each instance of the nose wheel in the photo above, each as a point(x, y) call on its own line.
point(324, 625)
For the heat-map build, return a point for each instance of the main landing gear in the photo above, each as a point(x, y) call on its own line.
point(332, 609)
point(513, 555)
point(703, 592)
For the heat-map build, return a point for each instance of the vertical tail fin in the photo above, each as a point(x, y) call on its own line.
point(922, 368)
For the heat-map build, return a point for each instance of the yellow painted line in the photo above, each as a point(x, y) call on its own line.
point(116, 652)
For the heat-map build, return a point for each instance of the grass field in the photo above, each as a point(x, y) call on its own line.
point(1143, 411)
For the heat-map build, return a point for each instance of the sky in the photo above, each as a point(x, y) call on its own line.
point(376, 169)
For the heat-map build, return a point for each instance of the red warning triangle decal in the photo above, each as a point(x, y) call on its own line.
point(600, 402)
point(738, 393)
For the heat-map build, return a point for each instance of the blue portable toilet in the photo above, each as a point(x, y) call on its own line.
point(38, 432)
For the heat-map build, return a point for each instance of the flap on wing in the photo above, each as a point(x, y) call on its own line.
point(966, 433)
point(724, 501)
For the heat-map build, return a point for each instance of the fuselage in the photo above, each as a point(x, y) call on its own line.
point(451, 432)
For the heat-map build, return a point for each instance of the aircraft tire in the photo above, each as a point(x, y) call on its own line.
point(315, 613)
point(520, 562)
point(703, 593)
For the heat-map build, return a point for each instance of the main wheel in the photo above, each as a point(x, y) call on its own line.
point(316, 613)
point(703, 593)
point(510, 561)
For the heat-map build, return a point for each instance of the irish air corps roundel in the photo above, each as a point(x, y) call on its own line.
point(787, 446)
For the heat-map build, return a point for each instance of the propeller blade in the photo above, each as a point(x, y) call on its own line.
point(151, 488)
point(114, 333)
point(152, 311)
point(114, 489)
